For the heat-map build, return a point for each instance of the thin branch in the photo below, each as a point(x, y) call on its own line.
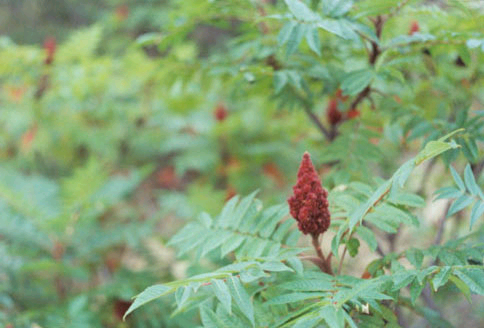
point(326, 261)
point(381, 93)
point(317, 247)
point(477, 169)
point(318, 123)
point(340, 265)
point(364, 37)
point(372, 103)
point(333, 132)
point(262, 25)
point(401, 319)
point(406, 303)
point(440, 232)
point(426, 293)
point(392, 237)
point(373, 55)
point(426, 174)
point(367, 38)
point(360, 97)
point(315, 260)
point(380, 251)
point(427, 297)
point(349, 237)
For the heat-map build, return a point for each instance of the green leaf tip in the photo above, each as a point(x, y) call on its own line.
point(436, 147)
point(149, 294)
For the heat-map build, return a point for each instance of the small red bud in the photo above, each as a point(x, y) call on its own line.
point(230, 192)
point(58, 251)
point(272, 171)
point(50, 46)
point(167, 178)
point(220, 112)
point(16, 93)
point(414, 28)
point(28, 138)
point(120, 308)
point(122, 12)
point(352, 113)
point(339, 95)
point(332, 112)
point(366, 275)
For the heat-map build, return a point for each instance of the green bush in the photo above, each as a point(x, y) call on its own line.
point(114, 141)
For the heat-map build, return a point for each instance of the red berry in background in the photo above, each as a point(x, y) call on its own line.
point(120, 308)
point(397, 99)
point(28, 138)
point(58, 251)
point(42, 86)
point(414, 28)
point(352, 113)
point(339, 95)
point(166, 178)
point(309, 204)
point(271, 170)
point(16, 94)
point(220, 112)
point(50, 46)
point(366, 275)
point(122, 12)
point(230, 192)
point(112, 260)
point(332, 112)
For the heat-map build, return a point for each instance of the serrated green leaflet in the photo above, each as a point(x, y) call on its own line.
point(222, 293)
point(241, 298)
point(148, 295)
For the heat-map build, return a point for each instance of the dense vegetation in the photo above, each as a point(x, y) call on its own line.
point(157, 146)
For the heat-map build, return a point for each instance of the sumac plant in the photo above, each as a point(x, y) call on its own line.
point(272, 281)
point(400, 91)
point(114, 138)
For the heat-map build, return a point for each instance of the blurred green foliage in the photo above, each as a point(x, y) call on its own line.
point(154, 111)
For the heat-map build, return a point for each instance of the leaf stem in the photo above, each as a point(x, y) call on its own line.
point(325, 262)
point(318, 122)
point(340, 265)
point(440, 232)
point(373, 55)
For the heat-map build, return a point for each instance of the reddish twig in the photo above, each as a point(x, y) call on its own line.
point(325, 262)
point(315, 260)
point(318, 123)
